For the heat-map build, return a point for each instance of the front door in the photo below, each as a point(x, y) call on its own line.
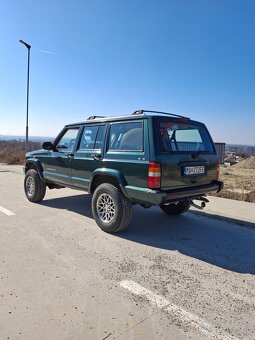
point(59, 162)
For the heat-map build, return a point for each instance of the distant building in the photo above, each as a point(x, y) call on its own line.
point(220, 149)
point(230, 161)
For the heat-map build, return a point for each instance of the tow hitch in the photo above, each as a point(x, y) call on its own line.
point(203, 203)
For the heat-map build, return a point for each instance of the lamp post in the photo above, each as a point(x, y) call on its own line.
point(28, 64)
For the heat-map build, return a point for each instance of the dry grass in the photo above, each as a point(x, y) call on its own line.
point(13, 152)
point(239, 183)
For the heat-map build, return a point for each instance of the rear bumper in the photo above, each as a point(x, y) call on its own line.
point(157, 197)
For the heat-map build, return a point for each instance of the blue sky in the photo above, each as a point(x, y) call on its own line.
point(109, 57)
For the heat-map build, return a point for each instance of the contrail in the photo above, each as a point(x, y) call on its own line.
point(44, 51)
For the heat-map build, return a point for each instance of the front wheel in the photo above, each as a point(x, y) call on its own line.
point(176, 208)
point(34, 187)
point(111, 209)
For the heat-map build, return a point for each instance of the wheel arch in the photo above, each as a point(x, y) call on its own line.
point(105, 175)
point(36, 165)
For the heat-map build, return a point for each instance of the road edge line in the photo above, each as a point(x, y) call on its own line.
point(6, 211)
point(185, 317)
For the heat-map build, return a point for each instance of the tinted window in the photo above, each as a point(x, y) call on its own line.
point(88, 138)
point(67, 141)
point(100, 137)
point(126, 136)
point(92, 137)
point(182, 137)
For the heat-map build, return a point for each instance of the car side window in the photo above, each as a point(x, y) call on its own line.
point(126, 137)
point(88, 138)
point(92, 137)
point(100, 137)
point(67, 141)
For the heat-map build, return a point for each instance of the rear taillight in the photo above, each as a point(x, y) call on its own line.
point(218, 170)
point(154, 175)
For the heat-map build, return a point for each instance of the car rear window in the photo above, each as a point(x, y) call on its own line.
point(182, 137)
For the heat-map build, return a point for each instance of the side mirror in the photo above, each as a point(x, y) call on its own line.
point(47, 146)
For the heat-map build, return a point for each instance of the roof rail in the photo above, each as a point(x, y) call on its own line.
point(141, 112)
point(95, 117)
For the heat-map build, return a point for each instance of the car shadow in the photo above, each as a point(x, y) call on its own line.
point(222, 243)
point(225, 244)
point(80, 204)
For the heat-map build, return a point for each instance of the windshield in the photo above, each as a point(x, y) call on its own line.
point(180, 137)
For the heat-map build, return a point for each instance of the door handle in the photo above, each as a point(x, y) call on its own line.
point(70, 155)
point(97, 157)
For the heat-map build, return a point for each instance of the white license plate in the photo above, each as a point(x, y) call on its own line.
point(194, 170)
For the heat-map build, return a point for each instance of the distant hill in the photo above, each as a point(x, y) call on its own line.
point(240, 145)
point(246, 150)
point(39, 139)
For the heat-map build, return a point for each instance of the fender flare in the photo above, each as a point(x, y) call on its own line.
point(111, 173)
point(35, 163)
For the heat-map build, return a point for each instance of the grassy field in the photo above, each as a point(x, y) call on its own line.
point(13, 152)
point(239, 183)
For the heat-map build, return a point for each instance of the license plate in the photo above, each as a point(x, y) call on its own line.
point(194, 170)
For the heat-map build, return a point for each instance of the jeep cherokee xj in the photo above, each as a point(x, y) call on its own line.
point(147, 158)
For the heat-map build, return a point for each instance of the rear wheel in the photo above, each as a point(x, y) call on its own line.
point(111, 209)
point(176, 208)
point(34, 187)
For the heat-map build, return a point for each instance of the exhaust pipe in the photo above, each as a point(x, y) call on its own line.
point(203, 203)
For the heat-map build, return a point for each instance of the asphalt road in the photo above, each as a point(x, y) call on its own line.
point(61, 277)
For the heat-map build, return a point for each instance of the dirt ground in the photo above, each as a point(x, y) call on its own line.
point(239, 183)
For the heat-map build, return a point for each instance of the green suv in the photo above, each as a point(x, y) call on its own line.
point(147, 158)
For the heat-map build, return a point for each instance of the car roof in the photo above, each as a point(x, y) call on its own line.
point(137, 115)
point(98, 119)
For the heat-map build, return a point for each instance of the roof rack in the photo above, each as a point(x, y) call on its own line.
point(95, 117)
point(141, 112)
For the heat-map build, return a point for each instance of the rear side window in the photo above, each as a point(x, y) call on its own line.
point(180, 137)
point(126, 137)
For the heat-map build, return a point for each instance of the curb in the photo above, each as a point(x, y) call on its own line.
point(246, 224)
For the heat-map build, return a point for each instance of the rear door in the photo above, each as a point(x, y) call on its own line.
point(186, 153)
point(127, 150)
point(88, 155)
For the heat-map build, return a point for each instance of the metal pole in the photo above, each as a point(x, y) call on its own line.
point(28, 65)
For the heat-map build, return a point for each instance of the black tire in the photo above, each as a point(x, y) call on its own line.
point(176, 208)
point(111, 209)
point(34, 187)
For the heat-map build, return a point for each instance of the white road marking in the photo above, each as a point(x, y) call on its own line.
point(6, 211)
point(185, 317)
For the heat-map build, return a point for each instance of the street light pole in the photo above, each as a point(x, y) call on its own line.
point(28, 65)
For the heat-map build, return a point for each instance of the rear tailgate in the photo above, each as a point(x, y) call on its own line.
point(174, 171)
point(186, 153)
